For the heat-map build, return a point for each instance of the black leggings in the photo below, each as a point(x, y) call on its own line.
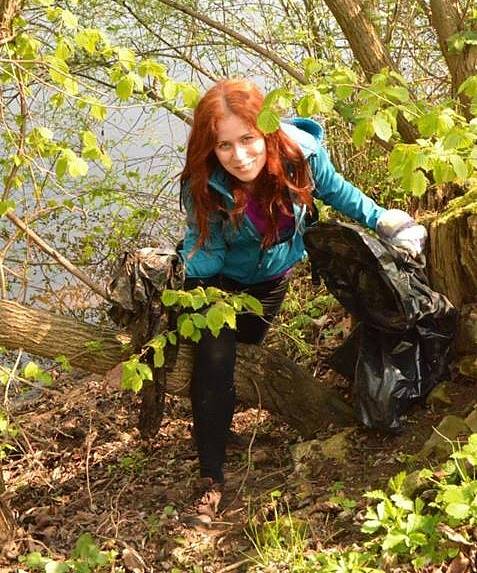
point(212, 387)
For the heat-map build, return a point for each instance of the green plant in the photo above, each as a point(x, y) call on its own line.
point(198, 309)
point(338, 496)
point(278, 539)
point(86, 557)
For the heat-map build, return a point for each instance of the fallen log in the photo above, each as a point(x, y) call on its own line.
point(262, 376)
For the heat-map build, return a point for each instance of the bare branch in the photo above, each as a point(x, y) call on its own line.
point(294, 73)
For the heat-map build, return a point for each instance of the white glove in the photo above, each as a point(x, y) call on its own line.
point(401, 230)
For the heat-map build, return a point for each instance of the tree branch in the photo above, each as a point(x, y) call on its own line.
point(294, 73)
point(68, 265)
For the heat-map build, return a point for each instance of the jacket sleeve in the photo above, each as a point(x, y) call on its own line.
point(207, 261)
point(334, 190)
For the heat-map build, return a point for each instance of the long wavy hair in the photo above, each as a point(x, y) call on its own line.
point(285, 168)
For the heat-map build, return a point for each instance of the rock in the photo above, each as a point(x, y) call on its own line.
point(466, 338)
point(133, 561)
point(439, 444)
point(413, 483)
point(471, 420)
point(467, 366)
point(336, 447)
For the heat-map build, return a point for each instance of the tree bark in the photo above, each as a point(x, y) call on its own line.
point(367, 47)
point(262, 376)
point(8, 10)
point(447, 20)
point(452, 262)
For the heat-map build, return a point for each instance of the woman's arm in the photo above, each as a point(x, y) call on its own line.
point(334, 190)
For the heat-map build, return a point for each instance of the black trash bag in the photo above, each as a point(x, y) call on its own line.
point(135, 291)
point(400, 348)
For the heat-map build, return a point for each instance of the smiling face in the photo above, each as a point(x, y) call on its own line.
point(240, 149)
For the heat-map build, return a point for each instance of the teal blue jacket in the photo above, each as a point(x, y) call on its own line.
point(236, 252)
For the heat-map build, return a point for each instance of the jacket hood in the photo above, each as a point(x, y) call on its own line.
point(306, 132)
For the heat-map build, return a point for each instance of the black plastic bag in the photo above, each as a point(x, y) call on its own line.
point(399, 350)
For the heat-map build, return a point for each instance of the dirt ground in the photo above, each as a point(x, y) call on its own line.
point(81, 466)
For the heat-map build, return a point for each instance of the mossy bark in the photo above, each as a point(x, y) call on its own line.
point(452, 261)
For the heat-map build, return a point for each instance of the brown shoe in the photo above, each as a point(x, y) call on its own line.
point(204, 509)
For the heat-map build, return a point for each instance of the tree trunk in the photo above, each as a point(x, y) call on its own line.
point(447, 20)
point(452, 262)
point(367, 47)
point(262, 376)
point(466, 341)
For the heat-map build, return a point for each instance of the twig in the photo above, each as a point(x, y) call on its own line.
point(234, 566)
point(68, 265)
point(11, 376)
point(89, 442)
point(252, 439)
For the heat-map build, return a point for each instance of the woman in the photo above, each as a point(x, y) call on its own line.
point(246, 195)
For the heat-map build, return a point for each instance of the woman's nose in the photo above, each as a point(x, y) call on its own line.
point(239, 152)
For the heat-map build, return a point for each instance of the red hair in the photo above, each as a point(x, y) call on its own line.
point(285, 168)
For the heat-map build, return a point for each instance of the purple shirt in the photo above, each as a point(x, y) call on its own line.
point(254, 211)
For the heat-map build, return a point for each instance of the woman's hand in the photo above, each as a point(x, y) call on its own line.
point(400, 230)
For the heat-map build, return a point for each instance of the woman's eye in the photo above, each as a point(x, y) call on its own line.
point(223, 146)
point(248, 139)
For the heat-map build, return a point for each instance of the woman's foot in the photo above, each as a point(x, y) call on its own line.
point(204, 509)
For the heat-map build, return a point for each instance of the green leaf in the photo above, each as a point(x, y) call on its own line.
point(392, 540)
point(89, 39)
point(306, 106)
point(469, 87)
point(190, 95)
point(215, 318)
point(172, 338)
point(458, 510)
point(402, 502)
point(399, 93)
point(69, 19)
point(252, 304)
point(442, 172)
point(459, 166)
point(228, 313)
point(152, 68)
point(187, 328)
point(458, 138)
point(199, 320)
point(363, 131)
point(6, 206)
point(381, 126)
point(126, 58)
point(125, 87)
point(415, 182)
point(169, 297)
point(57, 69)
point(56, 567)
point(169, 90)
point(268, 121)
point(98, 111)
point(68, 160)
point(31, 371)
point(457, 42)
point(89, 139)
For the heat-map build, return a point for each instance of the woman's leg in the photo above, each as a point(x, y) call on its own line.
point(213, 397)
point(212, 387)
